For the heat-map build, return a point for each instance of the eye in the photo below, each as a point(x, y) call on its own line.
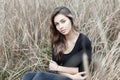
point(63, 21)
point(56, 24)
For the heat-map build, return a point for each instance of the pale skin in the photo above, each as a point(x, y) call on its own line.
point(64, 26)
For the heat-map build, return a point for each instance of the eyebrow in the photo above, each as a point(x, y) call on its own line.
point(61, 20)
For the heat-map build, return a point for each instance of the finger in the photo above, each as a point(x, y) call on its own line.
point(84, 77)
point(52, 61)
point(83, 72)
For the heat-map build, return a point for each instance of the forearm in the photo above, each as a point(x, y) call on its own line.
point(55, 67)
point(73, 77)
point(69, 70)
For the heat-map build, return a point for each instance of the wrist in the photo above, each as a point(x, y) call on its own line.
point(58, 68)
point(71, 76)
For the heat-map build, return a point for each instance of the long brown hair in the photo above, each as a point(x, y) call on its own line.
point(58, 40)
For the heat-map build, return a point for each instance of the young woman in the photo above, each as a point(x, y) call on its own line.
point(68, 47)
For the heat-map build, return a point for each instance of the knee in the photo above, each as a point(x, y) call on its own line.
point(28, 75)
point(39, 76)
point(41, 73)
point(68, 79)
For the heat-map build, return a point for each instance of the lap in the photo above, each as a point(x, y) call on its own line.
point(44, 76)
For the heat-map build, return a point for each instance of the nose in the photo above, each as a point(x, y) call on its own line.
point(61, 26)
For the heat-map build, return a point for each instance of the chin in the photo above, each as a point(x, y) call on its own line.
point(65, 33)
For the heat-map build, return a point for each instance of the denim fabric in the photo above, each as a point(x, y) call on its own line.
point(44, 76)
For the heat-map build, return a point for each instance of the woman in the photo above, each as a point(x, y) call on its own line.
point(68, 47)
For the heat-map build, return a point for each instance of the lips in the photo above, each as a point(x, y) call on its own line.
point(63, 31)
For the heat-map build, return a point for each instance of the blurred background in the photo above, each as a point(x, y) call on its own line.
point(25, 42)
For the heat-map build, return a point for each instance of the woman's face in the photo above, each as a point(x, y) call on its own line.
point(63, 24)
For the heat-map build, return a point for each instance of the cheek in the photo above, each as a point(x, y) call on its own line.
point(68, 25)
point(57, 28)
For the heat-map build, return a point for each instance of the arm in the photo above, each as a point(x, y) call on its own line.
point(77, 76)
point(63, 71)
point(70, 70)
point(55, 67)
point(74, 60)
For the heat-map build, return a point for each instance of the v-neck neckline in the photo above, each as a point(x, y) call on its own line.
point(74, 46)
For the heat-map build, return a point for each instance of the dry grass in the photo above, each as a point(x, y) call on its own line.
point(25, 43)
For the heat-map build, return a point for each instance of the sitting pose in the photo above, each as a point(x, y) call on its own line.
point(68, 47)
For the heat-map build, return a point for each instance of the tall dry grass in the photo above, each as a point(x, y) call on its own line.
point(25, 43)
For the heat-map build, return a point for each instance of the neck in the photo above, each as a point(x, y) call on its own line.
point(71, 35)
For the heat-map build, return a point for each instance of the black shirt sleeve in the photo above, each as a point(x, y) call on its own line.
point(86, 48)
point(54, 57)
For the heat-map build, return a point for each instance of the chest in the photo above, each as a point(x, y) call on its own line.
point(71, 59)
point(70, 47)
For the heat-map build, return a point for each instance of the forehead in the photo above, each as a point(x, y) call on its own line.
point(59, 17)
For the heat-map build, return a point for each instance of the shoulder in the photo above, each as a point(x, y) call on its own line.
point(85, 39)
point(83, 35)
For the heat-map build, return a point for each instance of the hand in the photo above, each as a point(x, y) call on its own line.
point(53, 66)
point(80, 76)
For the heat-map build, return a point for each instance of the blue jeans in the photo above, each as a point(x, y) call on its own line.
point(44, 76)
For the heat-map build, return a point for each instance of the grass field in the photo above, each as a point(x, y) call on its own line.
point(25, 43)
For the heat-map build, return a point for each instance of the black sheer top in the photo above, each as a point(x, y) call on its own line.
point(75, 57)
